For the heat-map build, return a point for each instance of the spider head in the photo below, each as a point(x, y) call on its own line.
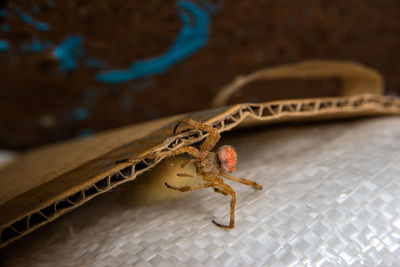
point(227, 158)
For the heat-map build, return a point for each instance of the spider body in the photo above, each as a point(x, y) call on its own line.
point(208, 163)
point(227, 158)
point(211, 166)
point(224, 159)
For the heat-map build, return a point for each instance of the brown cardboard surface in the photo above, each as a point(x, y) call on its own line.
point(355, 78)
point(41, 185)
point(40, 168)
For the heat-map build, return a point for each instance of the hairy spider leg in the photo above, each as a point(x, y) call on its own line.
point(224, 189)
point(228, 190)
point(212, 180)
point(217, 190)
point(191, 187)
point(187, 149)
point(184, 175)
point(242, 181)
point(212, 138)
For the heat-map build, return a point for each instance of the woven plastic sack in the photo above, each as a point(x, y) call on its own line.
point(331, 197)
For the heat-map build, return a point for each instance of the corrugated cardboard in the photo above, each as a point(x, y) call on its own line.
point(41, 185)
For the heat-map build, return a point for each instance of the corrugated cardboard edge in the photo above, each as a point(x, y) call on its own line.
point(44, 204)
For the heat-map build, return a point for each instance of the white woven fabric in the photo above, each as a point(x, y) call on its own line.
point(331, 197)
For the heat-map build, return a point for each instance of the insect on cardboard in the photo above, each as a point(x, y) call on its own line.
point(211, 166)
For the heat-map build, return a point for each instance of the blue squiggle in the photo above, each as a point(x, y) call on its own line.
point(68, 52)
point(4, 45)
point(35, 46)
point(41, 26)
point(191, 38)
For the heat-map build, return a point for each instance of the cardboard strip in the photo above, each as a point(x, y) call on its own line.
point(355, 78)
point(67, 184)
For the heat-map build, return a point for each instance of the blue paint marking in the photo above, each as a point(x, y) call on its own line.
point(81, 114)
point(68, 52)
point(94, 63)
point(41, 26)
point(4, 45)
point(36, 46)
point(5, 27)
point(192, 36)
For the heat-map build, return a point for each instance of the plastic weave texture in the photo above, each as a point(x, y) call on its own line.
point(331, 197)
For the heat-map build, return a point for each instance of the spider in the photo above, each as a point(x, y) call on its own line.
point(211, 166)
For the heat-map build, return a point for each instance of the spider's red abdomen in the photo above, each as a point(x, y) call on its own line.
point(227, 158)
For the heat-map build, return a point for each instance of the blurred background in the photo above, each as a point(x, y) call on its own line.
point(71, 68)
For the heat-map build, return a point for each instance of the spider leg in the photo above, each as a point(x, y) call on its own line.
point(212, 138)
point(184, 175)
point(187, 149)
point(219, 187)
point(190, 188)
point(241, 180)
point(224, 189)
point(217, 190)
point(228, 190)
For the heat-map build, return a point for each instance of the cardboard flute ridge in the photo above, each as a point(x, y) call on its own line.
point(77, 183)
